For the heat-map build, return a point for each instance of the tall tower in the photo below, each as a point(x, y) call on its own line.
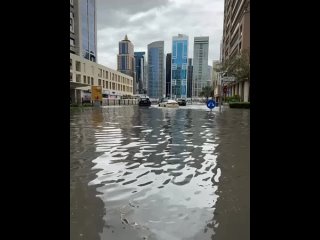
point(200, 65)
point(189, 78)
point(179, 66)
point(126, 63)
point(140, 65)
point(156, 83)
point(168, 74)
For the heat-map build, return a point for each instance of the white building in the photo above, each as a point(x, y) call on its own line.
point(200, 75)
point(85, 73)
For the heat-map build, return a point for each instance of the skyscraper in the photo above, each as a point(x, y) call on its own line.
point(83, 29)
point(126, 62)
point(200, 65)
point(189, 78)
point(156, 83)
point(168, 75)
point(140, 63)
point(179, 66)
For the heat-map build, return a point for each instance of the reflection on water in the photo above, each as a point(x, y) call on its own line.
point(158, 173)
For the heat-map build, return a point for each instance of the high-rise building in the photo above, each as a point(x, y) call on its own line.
point(83, 29)
point(168, 74)
point(126, 63)
point(145, 78)
point(200, 65)
point(156, 83)
point(189, 78)
point(140, 63)
point(179, 66)
point(236, 39)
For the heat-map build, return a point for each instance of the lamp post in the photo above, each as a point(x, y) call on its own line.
point(221, 89)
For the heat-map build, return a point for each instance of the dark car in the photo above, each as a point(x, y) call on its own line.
point(145, 102)
point(182, 102)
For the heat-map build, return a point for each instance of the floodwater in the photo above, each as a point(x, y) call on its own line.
point(159, 173)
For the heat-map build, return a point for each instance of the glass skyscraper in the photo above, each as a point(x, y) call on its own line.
point(156, 82)
point(168, 75)
point(179, 66)
point(88, 29)
point(83, 29)
point(140, 63)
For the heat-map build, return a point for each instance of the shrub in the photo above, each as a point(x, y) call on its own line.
point(239, 104)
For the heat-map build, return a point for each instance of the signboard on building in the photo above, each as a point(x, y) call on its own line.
point(228, 79)
point(96, 93)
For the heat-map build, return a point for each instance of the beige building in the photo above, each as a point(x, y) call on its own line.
point(236, 39)
point(85, 73)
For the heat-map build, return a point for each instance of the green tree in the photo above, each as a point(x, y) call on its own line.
point(207, 91)
point(238, 66)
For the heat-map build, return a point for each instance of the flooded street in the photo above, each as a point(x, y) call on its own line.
point(159, 173)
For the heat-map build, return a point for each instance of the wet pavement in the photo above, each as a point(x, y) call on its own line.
point(158, 173)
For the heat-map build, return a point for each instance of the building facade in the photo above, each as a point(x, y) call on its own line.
point(156, 83)
point(168, 75)
point(83, 29)
point(85, 73)
point(179, 66)
point(200, 65)
point(140, 65)
point(236, 40)
point(126, 62)
point(189, 78)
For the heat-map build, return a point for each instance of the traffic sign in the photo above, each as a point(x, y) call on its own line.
point(211, 104)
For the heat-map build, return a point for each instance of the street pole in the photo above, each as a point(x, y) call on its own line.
point(220, 103)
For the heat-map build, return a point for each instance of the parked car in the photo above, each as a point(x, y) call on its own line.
point(168, 103)
point(145, 102)
point(182, 102)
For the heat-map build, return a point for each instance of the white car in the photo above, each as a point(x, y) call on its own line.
point(168, 103)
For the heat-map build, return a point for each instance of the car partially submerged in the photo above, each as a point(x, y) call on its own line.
point(182, 102)
point(168, 103)
point(144, 101)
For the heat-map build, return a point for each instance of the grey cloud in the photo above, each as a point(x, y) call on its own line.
point(157, 21)
point(118, 12)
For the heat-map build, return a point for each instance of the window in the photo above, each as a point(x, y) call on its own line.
point(78, 66)
point(103, 83)
point(100, 72)
point(70, 63)
point(84, 67)
point(91, 80)
point(107, 84)
point(71, 77)
point(99, 82)
point(107, 74)
point(84, 79)
point(78, 78)
point(112, 76)
point(72, 42)
point(71, 22)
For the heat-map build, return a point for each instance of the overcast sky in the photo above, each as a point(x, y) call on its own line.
point(146, 21)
